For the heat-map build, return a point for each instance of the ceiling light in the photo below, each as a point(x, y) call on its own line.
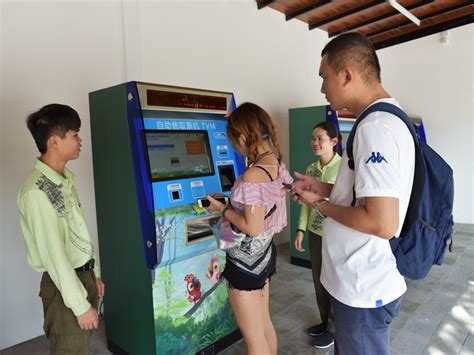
point(404, 11)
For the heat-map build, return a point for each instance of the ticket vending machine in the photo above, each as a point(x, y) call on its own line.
point(156, 150)
point(301, 155)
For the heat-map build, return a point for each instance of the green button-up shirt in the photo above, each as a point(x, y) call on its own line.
point(55, 232)
point(309, 218)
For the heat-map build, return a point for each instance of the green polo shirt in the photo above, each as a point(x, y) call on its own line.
point(309, 218)
point(55, 232)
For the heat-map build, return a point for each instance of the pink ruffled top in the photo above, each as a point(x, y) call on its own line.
point(265, 194)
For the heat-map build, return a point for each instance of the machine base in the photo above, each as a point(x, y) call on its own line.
point(221, 344)
point(213, 349)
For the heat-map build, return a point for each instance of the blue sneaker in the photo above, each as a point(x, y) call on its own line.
point(316, 330)
point(324, 340)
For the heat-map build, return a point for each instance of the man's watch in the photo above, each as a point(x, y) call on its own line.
point(319, 203)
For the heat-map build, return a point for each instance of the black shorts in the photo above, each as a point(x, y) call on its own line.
point(241, 280)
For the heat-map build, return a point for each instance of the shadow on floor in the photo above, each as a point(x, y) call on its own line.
point(437, 313)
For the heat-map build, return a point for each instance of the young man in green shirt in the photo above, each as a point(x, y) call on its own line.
point(57, 240)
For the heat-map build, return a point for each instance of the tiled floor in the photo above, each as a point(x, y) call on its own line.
point(437, 313)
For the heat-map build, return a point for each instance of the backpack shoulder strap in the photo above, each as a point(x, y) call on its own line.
point(380, 106)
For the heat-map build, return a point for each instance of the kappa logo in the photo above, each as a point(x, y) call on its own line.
point(376, 158)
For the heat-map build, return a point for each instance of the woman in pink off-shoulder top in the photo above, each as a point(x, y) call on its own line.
point(258, 208)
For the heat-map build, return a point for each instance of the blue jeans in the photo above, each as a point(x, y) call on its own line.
point(363, 330)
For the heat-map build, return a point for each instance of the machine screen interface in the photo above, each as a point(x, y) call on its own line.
point(178, 154)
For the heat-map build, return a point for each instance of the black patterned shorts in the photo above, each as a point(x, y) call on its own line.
point(241, 280)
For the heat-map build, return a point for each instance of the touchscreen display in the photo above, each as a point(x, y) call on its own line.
point(177, 154)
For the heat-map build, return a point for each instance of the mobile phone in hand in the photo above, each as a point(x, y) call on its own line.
point(204, 202)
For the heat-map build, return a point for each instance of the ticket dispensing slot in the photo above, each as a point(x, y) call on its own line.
point(198, 230)
point(227, 177)
point(223, 151)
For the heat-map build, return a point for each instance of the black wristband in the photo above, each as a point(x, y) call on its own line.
point(300, 230)
point(226, 208)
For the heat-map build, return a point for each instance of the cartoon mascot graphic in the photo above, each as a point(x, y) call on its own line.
point(193, 286)
point(214, 271)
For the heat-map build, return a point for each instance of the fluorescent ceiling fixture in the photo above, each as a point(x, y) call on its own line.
point(404, 11)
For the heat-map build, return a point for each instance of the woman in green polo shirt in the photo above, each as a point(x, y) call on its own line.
point(324, 143)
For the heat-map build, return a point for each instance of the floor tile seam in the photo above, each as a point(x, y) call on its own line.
point(411, 324)
point(278, 313)
point(294, 338)
point(466, 232)
point(443, 292)
point(436, 336)
point(467, 337)
point(464, 266)
point(462, 284)
point(293, 298)
point(425, 349)
point(421, 315)
point(424, 287)
point(307, 344)
point(284, 316)
point(402, 335)
point(425, 309)
point(302, 293)
point(450, 285)
point(285, 268)
point(467, 320)
point(280, 273)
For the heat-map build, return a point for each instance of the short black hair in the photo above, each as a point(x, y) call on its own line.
point(50, 120)
point(356, 49)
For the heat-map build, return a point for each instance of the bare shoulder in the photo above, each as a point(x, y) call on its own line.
point(254, 174)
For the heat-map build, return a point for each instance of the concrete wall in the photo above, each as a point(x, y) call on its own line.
point(435, 81)
point(59, 51)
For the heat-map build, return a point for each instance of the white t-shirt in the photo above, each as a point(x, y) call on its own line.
point(359, 269)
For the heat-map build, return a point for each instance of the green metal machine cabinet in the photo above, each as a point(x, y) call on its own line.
point(157, 149)
point(302, 121)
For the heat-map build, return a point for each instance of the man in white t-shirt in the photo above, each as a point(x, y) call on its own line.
point(359, 270)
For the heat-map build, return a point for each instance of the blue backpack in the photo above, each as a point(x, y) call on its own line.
point(428, 224)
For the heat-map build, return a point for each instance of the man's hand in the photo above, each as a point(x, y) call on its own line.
point(100, 287)
point(309, 198)
point(88, 320)
point(307, 183)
